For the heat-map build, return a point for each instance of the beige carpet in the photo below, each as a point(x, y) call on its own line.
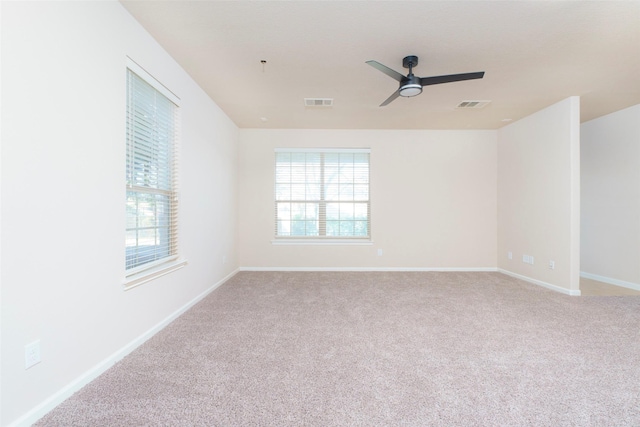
point(377, 349)
point(590, 287)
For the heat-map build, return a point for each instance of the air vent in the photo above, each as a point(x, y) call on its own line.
point(472, 104)
point(318, 102)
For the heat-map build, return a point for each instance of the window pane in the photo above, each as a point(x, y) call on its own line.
point(312, 211)
point(333, 211)
point(361, 175)
point(147, 238)
point(361, 228)
point(298, 210)
point(132, 210)
point(283, 159)
point(298, 173)
point(346, 173)
point(313, 172)
point(283, 173)
point(297, 191)
point(361, 159)
point(332, 192)
point(313, 191)
point(346, 192)
point(284, 228)
point(298, 159)
point(346, 158)
point(312, 228)
point(284, 211)
point(333, 228)
point(360, 211)
point(346, 211)
point(298, 228)
point(331, 175)
point(346, 228)
point(361, 192)
point(283, 191)
point(131, 239)
point(331, 160)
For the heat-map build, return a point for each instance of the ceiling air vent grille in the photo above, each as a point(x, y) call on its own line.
point(472, 104)
point(318, 102)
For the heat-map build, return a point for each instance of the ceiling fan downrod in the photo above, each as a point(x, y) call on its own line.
point(410, 62)
point(410, 85)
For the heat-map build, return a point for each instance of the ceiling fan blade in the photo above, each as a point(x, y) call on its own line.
point(393, 96)
point(435, 80)
point(388, 71)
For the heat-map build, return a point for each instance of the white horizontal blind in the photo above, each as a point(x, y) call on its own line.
point(322, 194)
point(151, 202)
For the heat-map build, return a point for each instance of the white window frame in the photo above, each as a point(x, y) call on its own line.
point(148, 271)
point(322, 220)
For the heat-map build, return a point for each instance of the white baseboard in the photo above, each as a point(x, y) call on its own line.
point(43, 408)
point(473, 269)
point(572, 292)
point(609, 280)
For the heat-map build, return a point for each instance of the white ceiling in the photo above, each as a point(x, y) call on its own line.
point(534, 53)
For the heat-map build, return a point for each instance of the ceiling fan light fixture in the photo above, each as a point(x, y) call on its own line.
point(411, 89)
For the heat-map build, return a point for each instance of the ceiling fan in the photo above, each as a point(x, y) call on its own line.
point(411, 85)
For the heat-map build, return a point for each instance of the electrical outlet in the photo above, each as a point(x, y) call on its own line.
point(552, 265)
point(224, 259)
point(509, 255)
point(31, 354)
point(379, 252)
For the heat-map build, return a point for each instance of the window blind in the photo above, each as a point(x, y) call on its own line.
point(322, 193)
point(151, 176)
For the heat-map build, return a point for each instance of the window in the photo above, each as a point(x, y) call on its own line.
point(322, 194)
point(151, 193)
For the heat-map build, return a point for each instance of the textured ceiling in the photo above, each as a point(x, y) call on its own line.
point(534, 53)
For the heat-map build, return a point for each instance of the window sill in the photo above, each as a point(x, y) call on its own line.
point(322, 242)
point(145, 276)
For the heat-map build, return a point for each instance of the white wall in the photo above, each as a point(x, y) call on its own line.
point(63, 216)
point(539, 196)
point(433, 200)
point(610, 166)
